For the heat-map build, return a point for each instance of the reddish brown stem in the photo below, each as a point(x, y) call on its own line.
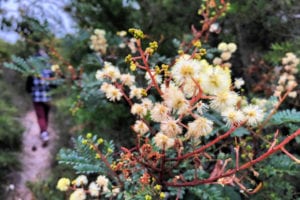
point(263, 124)
point(120, 87)
point(162, 166)
point(290, 155)
point(105, 161)
point(147, 68)
point(243, 167)
point(201, 149)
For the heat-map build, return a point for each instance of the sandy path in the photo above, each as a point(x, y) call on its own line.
point(36, 160)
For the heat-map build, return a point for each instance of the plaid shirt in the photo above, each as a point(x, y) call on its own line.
point(41, 88)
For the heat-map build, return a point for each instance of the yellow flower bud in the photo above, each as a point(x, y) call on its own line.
point(162, 195)
point(132, 66)
point(113, 166)
point(84, 141)
point(149, 50)
point(148, 197)
point(180, 52)
point(100, 141)
point(157, 70)
point(157, 187)
point(165, 67)
point(167, 73)
point(197, 56)
point(98, 156)
point(153, 45)
point(128, 58)
point(109, 150)
point(89, 135)
point(144, 92)
point(202, 52)
point(197, 43)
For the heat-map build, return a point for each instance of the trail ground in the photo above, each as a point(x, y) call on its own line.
point(35, 159)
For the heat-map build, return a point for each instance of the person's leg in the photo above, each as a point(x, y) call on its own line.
point(41, 115)
point(46, 110)
point(42, 110)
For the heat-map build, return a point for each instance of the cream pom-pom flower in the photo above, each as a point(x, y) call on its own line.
point(223, 46)
point(253, 114)
point(63, 184)
point(139, 109)
point(225, 56)
point(94, 189)
point(238, 83)
point(140, 127)
point(127, 79)
point(215, 80)
point(81, 180)
point(233, 116)
point(147, 103)
point(170, 128)
point(224, 100)
point(162, 141)
point(78, 194)
point(175, 99)
point(231, 47)
point(136, 92)
point(185, 68)
point(113, 93)
point(159, 112)
point(109, 72)
point(102, 181)
point(199, 127)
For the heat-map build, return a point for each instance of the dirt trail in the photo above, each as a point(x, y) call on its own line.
point(35, 159)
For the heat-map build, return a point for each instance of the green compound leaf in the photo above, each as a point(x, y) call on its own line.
point(239, 132)
point(30, 66)
point(83, 159)
point(285, 117)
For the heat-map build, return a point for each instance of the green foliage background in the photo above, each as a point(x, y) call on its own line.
point(260, 28)
point(10, 127)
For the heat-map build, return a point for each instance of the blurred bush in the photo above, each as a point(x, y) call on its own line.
point(10, 136)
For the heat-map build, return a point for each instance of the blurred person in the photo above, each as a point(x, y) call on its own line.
point(39, 87)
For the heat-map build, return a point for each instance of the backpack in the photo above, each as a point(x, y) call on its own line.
point(29, 84)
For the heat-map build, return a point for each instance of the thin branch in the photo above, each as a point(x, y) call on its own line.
point(243, 167)
point(204, 147)
point(290, 155)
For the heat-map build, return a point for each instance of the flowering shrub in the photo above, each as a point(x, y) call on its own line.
point(192, 126)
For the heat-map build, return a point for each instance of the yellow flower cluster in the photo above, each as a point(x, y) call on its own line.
point(137, 33)
point(152, 47)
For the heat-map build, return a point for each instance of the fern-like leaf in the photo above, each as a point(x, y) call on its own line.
point(285, 117)
point(30, 66)
point(83, 159)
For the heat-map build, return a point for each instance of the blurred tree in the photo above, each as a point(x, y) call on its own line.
point(256, 24)
point(164, 20)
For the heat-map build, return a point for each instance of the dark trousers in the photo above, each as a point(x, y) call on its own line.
point(42, 112)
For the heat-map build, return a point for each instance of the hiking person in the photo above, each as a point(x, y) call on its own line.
point(39, 87)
